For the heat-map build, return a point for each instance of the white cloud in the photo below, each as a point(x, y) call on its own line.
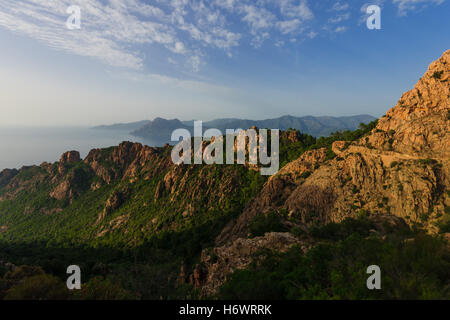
point(312, 34)
point(298, 9)
point(258, 18)
point(340, 18)
point(338, 6)
point(288, 26)
point(266, 17)
point(118, 32)
point(410, 5)
point(179, 48)
point(105, 30)
point(340, 29)
point(259, 39)
point(113, 30)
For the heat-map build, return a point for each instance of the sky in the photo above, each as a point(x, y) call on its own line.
point(132, 60)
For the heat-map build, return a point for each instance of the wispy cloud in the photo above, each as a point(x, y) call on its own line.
point(113, 30)
point(340, 6)
point(340, 29)
point(118, 32)
point(339, 18)
point(410, 5)
point(106, 30)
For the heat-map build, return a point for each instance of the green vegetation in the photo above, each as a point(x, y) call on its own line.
point(340, 231)
point(266, 223)
point(292, 151)
point(134, 249)
point(427, 162)
point(156, 233)
point(444, 223)
point(394, 164)
point(418, 268)
point(438, 74)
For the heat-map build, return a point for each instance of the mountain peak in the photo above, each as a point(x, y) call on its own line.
point(431, 91)
point(418, 124)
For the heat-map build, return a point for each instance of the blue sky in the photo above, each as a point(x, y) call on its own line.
point(198, 59)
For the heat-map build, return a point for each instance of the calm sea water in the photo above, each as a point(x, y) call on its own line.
point(32, 146)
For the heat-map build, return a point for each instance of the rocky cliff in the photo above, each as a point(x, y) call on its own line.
point(400, 168)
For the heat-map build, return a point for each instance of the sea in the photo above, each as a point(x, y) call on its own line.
point(31, 146)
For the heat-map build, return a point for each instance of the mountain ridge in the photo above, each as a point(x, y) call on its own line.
point(160, 129)
point(402, 168)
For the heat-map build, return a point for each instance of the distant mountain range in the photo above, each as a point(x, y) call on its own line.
point(124, 126)
point(159, 130)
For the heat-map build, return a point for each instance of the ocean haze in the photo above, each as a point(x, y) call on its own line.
point(31, 146)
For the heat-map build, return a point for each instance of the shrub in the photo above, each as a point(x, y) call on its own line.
point(427, 161)
point(330, 154)
point(362, 214)
point(305, 174)
point(102, 289)
point(297, 231)
point(40, 287)
point(338, 231)
point(438, 74)
point(416, 269)
point(23, 272)
point(261, 224)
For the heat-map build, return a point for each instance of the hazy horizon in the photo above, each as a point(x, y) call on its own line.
point(81, 126)
point(33, 146)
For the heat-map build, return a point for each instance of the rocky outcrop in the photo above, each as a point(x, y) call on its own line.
point(418, 124)
point(70, 157)
point(115, 200)
point(114, 224)
point(62, 191)
point(6, 176)
point(15, 183)
point(274, 193)
point(126, 161)
point(401, 167)
point(217, 265)
point(401, 170)
point(66, 159)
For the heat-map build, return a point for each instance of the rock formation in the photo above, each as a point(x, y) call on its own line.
point(401, 168)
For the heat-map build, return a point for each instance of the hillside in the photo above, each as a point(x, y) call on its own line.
point(401, 168)
point(142, 228)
